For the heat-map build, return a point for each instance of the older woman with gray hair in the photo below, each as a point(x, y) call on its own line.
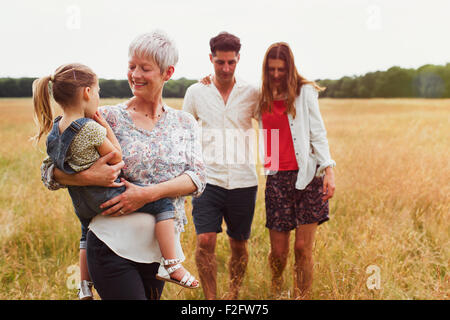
point(162, 158)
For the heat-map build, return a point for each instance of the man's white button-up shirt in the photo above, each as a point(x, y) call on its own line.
point(228, 138)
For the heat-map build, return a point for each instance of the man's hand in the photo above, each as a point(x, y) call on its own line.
point(206, 80)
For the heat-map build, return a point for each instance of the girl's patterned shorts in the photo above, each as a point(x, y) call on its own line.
point(287, 207)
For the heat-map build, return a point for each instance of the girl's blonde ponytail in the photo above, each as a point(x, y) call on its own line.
point(42, 107)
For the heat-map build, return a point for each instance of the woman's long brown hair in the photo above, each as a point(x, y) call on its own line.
point(291, 86)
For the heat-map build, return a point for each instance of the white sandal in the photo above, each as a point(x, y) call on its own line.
point(85, 290)
point(187, 279)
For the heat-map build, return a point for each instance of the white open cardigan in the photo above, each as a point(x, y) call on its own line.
point(309, 137)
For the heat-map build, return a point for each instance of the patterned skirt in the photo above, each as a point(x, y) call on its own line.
point(287, 207)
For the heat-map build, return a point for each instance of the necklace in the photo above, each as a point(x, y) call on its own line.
point(157, 117)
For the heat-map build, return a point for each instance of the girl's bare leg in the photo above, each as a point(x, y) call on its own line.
point(165, 234)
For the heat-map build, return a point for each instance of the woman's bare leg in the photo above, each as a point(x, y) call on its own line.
point(279, 250)
point(303, 269)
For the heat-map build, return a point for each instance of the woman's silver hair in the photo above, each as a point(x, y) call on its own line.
point(156, 45)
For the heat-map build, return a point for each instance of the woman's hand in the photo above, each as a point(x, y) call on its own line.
point(328, 184)
point(132, 199)
point(103, 174)
point(135, 196)
point(99, 174)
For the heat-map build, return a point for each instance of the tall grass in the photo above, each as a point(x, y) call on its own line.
point(390, 209)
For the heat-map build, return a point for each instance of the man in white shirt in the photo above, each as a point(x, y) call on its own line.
point(224, 110)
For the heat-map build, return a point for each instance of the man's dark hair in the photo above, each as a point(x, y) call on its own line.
point(225, 41)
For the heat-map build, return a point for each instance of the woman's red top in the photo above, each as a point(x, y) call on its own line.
point(278, 119)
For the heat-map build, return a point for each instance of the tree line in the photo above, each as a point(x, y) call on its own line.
point(428, 81)
point(22, 87)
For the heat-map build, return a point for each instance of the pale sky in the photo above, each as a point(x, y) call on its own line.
point(329, 38)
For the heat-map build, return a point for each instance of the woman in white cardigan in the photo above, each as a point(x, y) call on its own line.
point(298, 163)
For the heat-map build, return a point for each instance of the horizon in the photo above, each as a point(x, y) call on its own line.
point(350, 76)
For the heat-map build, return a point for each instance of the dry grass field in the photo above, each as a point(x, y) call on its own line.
point(390, 210)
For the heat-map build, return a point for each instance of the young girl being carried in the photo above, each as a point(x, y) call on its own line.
point(80, 137)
